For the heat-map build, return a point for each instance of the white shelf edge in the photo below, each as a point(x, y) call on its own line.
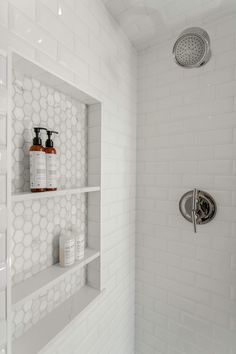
point(30, 196)
point(45, 331)
point(47, 278)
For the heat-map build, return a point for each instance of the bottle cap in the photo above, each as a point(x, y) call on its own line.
point(37, 140)
point(49, 142)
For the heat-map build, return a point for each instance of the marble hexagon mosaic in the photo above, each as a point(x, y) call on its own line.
point(36, 224)
point(36, 229)
point(35, 104)
point(26, 315)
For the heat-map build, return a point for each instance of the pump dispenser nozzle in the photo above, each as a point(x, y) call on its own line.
point(49, 142)
point(37, 140)
point(51, 158)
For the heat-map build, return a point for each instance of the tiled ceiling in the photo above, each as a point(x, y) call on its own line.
point(149, 21)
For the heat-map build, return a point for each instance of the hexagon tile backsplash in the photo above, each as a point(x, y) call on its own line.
point(36, 229)
point(36, 224)
point(35, 104)
point(25, 316)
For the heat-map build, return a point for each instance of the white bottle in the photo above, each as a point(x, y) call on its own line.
point(66, 248)
point(79, 244)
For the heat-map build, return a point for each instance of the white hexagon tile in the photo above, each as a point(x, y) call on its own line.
point(35, 104)
point(36, 228)
point(36, 223)
point(25, 316)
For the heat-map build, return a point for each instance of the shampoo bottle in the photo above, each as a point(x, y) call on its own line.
point(79, 243)
point(79, 246)
point(51, 162)
point(66, 248)
point(37, 163)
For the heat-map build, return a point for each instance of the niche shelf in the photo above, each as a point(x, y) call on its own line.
point(31, 196)
point(44, 298)
point(49, 327)
point(47, 278)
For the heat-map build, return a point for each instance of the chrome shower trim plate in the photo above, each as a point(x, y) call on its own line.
point(205, 208)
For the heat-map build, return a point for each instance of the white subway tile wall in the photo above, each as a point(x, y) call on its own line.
point(91, 51)
point(186, 282)
point(3, 180)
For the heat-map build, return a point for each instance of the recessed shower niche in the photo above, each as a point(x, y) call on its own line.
point(41, 289)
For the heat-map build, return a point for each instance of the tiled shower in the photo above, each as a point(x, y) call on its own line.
point(185, 282)
point(136, 133)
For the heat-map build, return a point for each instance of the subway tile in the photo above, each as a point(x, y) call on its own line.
point(2, 247)
point(3, 276)
point(226, 59)
point(225, 151)
point(51, 23)
point(4, 13)
point(72, 62)
point(182, 303)
point(3, 99)
point(85, 53)
point(205, 180)
point(216, 167)
point(196, 266)
point(212, 256)
point(3, 333)
point(218, 77)
point(28, 7)
point(225, 90)
point(181, 275)
point(223, 304)
point(228, 27)
point(3, 188)
point(225, 182)
point(22, 46)
point(171, 312)
point(183, 332)
point(23, 27)
point(197, 325)
point(2, 305)
point(216, 286)
point(215, 137)
point(224, 244)
point(181, 249)
point(50, 64)
point(78, 27)
point(3, 218)
point(213, 315)
point(3, 130)
point(3, 160)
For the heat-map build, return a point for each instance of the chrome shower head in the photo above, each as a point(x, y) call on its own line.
point(192, 48)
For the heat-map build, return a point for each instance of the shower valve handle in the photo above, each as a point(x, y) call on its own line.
point(194, 209)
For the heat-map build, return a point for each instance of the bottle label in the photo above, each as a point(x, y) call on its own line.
point(79, 248)
point(51, 170)
point(37, 169)
point(69, 252)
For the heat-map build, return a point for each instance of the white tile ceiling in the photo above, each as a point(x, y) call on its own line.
point(149, 21)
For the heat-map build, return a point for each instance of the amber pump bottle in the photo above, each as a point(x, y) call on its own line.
point(51, 162)
point(37, 163)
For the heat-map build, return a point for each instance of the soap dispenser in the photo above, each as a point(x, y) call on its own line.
point(37, 163)
point(51, 162)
